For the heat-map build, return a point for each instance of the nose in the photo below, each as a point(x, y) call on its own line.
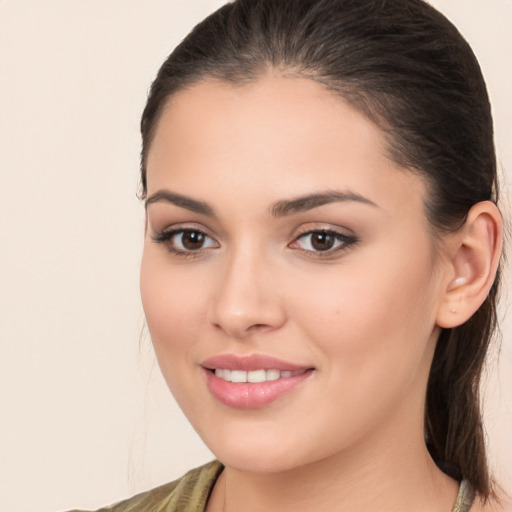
point(246, 299)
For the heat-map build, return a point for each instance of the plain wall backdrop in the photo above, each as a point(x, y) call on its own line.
point(85, 418)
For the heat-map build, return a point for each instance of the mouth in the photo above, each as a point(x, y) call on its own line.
point(254, 376)
point(251, 382)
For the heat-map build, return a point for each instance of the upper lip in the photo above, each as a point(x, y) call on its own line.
point(250, 363)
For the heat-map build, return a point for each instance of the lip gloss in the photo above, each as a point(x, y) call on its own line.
point(282, 378)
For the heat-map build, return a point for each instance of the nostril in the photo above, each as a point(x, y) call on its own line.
point(258, 327)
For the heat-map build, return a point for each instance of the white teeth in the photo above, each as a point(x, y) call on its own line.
point(223, 374)
point(254, 376)
point(257, 376)
point(273, 374)
point(238, 376)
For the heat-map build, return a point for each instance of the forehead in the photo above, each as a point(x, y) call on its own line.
point(211, 114)
point(276, 134)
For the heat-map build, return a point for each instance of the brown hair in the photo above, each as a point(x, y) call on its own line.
point(405, 66)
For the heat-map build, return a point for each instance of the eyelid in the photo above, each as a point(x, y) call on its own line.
point(165, 237)
point(347, 241)
point(313, 227)
point(343, 241)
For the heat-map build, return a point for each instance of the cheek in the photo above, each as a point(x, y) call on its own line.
point(372, 332)
point(375, 316)
point(174, 312)
point(172, 303)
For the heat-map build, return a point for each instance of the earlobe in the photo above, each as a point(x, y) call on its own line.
point(474, 261)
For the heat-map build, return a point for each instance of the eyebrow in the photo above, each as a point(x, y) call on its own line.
point(185, 202)
point(310, 201)
point(281, 208)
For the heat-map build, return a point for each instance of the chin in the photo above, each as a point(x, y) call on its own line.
point(256, 462)
point(257, 453)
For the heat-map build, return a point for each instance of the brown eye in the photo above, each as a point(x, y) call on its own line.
point(185, 241)
point(192, 240)
point(322, 241)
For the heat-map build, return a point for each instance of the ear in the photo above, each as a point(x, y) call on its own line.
point(474, 255)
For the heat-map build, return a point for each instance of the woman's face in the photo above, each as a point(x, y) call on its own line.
point(283, 247)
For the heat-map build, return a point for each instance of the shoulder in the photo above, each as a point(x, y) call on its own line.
point(188, 493)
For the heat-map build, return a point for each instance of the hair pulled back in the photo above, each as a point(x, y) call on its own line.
point(406, 67)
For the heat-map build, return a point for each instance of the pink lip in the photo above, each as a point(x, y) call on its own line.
point(248, 363)
point(247, 395)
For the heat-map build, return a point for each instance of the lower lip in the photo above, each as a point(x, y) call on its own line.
point(245, 395)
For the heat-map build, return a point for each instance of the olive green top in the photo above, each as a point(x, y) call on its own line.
point(191, 492)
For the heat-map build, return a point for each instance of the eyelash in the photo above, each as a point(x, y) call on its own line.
point(345, 242)
point(166, 238)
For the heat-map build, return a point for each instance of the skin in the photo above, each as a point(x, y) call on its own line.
point(366, 316)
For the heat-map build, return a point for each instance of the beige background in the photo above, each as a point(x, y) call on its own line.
point(85, 418)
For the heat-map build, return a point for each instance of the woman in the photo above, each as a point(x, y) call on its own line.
point(320, 266)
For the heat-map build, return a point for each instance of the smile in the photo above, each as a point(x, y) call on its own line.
point(254, 376)
point(253, 381)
